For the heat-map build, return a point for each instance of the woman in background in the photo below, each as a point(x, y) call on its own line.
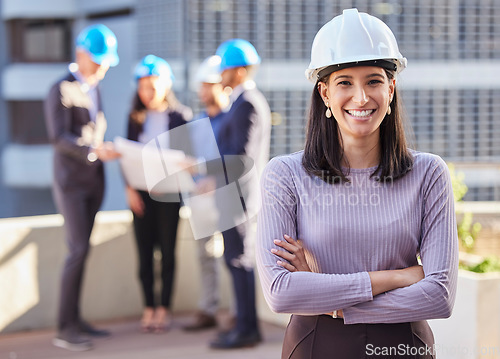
point(155, 111)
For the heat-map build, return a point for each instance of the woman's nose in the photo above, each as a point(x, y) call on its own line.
point(359, 96)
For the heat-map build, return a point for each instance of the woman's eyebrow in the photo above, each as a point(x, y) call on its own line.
point(342, 76)
point(375, 75)
point(350, 77)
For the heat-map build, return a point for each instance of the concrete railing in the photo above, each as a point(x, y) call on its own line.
point(32, 251)
point(473, 330)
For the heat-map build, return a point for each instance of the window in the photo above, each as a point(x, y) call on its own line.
point(27, 125)
point(40, 40)
point(457, 124)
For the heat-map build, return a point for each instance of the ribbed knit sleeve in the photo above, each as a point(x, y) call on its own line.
point(432, 297)
point(297, 292)
point(350, 229)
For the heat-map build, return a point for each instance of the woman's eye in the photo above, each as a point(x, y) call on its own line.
point(345, 83)
point(374, 82)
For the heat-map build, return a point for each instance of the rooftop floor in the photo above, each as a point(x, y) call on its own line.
point(127, 342)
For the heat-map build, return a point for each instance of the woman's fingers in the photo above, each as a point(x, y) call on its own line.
point(285, 245)
point(287, 266)
point(283, 254)
point(289, 244)
point(135, 202)
point(291, 241)
point(293, 252)
point(137, 208)
point(289, 257)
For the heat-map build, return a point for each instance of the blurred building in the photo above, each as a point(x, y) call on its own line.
point(450, 88)
point(37, 44)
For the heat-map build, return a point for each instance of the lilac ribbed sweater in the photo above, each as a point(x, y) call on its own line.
point(353, 228)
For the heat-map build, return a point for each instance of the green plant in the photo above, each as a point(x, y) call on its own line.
point(489, 264)
point(466, 228)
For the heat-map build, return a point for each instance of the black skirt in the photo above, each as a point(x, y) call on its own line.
point(323, 337)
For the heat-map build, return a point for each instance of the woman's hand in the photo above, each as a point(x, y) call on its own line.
point(135, 201)
point(106, 152)
point(340, 313)
point(293, 252)
point(188, 164)
point(412, 275)
point(386, 280)
point(205, 185)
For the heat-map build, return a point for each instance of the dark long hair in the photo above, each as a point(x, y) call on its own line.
point(138, 112)
point(324, 152)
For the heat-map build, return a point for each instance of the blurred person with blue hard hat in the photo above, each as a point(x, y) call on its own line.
point(76, 126)
point(204, 213)
point(155, 111)
point(244, 133)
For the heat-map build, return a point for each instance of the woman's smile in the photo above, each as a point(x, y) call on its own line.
point(361, 115)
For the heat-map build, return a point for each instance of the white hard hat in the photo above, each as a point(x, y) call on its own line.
point(209, 70)
point(351, 38)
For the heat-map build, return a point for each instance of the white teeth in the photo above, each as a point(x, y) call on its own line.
point(364, 113)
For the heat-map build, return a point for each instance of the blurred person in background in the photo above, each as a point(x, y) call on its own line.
point(244, 134)
point(155, 110)
point(211, 94)
point(365, 207)
point(76, 127)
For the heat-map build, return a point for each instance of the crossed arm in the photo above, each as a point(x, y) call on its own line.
point(387, 296)
point(381, 281)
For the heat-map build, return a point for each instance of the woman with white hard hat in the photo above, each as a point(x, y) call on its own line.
point(357, 233)
point(155, 110)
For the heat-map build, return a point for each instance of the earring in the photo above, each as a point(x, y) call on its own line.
point(328, 112)
point(389, 110)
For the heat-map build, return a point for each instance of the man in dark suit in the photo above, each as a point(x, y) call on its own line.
point(243, 139)
point(76, 127)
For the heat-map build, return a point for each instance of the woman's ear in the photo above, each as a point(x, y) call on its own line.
point(323, 91)
point(392, 86)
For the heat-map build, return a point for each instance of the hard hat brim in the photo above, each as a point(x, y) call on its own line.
point(110, 59)
point(386, 64)
point(315, 74)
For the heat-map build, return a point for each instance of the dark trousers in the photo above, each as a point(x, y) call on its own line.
point(319, 337)
point(157, 228)
point(243, 280)
point(78, 207)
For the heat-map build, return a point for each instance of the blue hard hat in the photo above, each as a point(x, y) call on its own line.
point(237, 53)
point(152, 65)
point(100, 42)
